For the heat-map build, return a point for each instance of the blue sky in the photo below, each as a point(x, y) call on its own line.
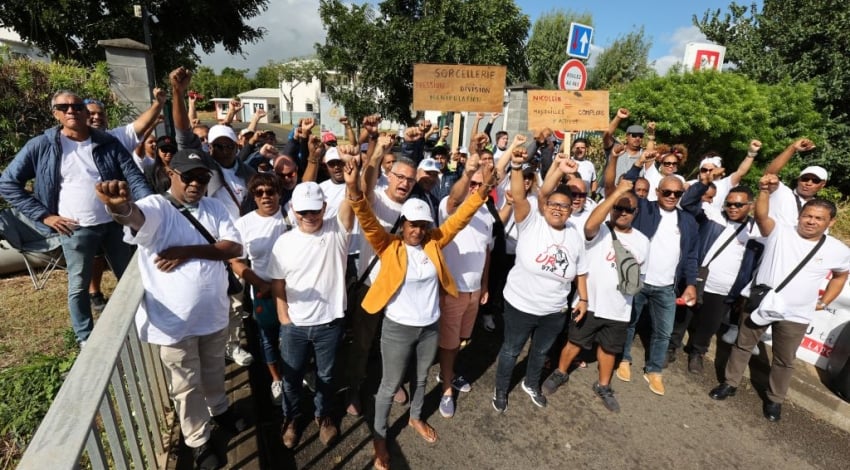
point(294, 26)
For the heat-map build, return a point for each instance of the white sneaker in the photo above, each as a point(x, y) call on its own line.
point(235, 353)
point(277, 392)
point(489, 323)
point(731, 335)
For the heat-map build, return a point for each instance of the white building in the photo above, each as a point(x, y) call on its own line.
point(20, 48)
point(267, 99)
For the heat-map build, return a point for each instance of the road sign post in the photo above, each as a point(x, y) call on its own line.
point(578, 43)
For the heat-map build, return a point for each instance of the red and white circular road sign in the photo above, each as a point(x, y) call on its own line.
point(573, 75)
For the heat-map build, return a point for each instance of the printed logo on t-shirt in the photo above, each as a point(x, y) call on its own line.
point(554, 260)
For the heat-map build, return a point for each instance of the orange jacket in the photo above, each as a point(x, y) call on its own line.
point(393, 255)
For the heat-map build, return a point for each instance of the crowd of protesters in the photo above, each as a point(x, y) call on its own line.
point(401, 250)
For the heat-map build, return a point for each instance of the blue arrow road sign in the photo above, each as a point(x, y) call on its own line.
point(578, 44)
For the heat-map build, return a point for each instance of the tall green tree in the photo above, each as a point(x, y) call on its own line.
point(798, 41)
point(723, 111)
point(71, 28)
point(266, 76)
point(547, 46)
point(481, 32)
point(626, 59)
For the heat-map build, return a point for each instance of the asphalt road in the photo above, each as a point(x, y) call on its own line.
point(683, 429)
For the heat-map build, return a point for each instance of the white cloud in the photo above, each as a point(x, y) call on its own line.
point(678, 40)
point(292, 28)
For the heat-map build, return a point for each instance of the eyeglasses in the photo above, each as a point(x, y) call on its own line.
point(260, 192)
point(558, 206)
point(636, 135)
point(736, 205)
point(705, 170)
point(404, 178)
point(626, 209)
point(475, 184)
point(579, 195)
point(308, 212)
point(64, 107)
point(200, 178)
point(224, 147)
point(670, 163)
point(286, 175)
point(670, 192)
point(810, 179)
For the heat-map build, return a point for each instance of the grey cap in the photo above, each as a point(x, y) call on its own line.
point(635, 129)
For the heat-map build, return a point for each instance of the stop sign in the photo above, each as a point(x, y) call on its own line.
point(573, 75)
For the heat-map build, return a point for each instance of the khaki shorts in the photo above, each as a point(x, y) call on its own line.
point(457, 317)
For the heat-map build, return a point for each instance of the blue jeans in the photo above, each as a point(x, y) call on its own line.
point(295, 342)
point(80, 249)
point(662, 310)
point(543, 330)
point(398, 343)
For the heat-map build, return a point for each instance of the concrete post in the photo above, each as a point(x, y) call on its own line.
point(130, 70)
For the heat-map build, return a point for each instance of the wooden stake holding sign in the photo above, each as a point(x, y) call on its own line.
point(573, 110)
point(453, 87)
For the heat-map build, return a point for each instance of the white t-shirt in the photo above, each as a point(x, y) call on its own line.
point(387, 211)
point(190, 300)
point(466, 254)
point(512, 231)
point(416, 302)
point(237, 185)
point(547, 261)
point(664, 251)
point(127, 136)
point(723, 187)
point(143, 161)
point(604, 300)
point(784, 206)
point(334, 197)
point(580, 218)
point(259, 234)
point(77, 198)
point(723, 271)
point(313, 266)
point(654, 177)
point(587, 171)
point(783, 251)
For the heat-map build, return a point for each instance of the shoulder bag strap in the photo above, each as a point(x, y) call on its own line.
point(802, 263)
point(728, 241)
point(191, 218)
point(374, 260)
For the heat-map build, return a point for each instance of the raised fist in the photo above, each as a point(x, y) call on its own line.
point(755, 146)
point(623, 113)
point(804, 145)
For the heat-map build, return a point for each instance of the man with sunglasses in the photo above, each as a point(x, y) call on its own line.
point(229, 177)
point(634, 142)
point(671, 269)
point(66, 161)
point(786, 204)
point(185, 305)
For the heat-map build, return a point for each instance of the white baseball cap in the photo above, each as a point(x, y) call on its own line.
point(818, 171)
point(332, 154)
point(716, 161)
point(307, 196)
point(416, 210)
point(429, 164)
point(220, 130)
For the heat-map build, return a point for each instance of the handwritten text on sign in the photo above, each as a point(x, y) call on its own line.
point(449, 87)
point(568, 110)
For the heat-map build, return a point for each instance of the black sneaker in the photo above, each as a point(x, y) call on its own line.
point(695, 365)
point(98, 301)
point(231, 422)
point(669, 358)
point(500, 401)
point(536, 397)
point(555, 380)
point(205, 457)
point(607, 396)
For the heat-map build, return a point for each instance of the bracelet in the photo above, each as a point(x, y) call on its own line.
point(123, 216)
point(355, 200)
point(752, 154)
point(314, 161)
point(582, 300)
point(516, 166)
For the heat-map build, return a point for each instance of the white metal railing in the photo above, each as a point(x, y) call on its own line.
point(116, 388)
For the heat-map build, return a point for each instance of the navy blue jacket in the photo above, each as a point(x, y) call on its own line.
point(41, 159)
point(709, 232)
point(646, 221)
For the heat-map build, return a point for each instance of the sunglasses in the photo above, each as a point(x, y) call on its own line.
point(670, 163)
point(736, 205)
point(93, 101)
point(705, 170)
point(636, 135)
point(579, 195)
point(670, 192)
point(224, 146)
point(810, 179)
point(260, 192)
point(64, 107)
point(626, 209)
point(286, 175)
point(558, 206)
point(331, 143)
point(475, 184)
point(200, 178)
point(166, 149)
point(309, 212)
